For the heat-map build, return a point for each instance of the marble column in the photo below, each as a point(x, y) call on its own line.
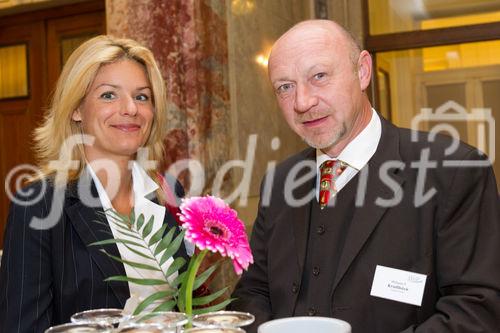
point(189, 41)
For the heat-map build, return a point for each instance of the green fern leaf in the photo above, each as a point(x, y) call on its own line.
point(217, 307)
point(173, 247)
point(140, 253)
point(139, 222)
point(166, 306)
point(209, 298)
point(200, 279)
point(116, 241)
point(176, 265)
point(142, 282)
point(165, 242)
point(148, 227)
point(177, 281)
point(132, 263)
point(131, 218)
point(115, 214)
point(157, 236)
point(121, 226)
point(120, 219)
point(152, 298)
point(129, 233)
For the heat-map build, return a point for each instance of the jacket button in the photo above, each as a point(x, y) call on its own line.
point(311, 312)
point(316, 271)
point(295, 288)
point(320, 230)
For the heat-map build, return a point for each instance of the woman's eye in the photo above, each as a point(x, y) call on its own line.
point(108, 95)
point(142, 97)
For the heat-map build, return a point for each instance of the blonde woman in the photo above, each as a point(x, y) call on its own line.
point(104, 127)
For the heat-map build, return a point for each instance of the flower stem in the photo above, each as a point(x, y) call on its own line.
point(190, 281)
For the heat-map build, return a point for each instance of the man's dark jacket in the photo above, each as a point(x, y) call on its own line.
point(453, 238)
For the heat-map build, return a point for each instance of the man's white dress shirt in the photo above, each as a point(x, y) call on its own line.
point(356, 154)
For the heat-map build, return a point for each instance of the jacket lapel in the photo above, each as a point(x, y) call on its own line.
point(368, 215)
point(300, 215)
point(91, 226)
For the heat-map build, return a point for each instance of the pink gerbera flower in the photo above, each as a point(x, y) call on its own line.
point(211, 224)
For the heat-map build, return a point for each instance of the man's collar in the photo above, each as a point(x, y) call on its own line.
point(358, 152)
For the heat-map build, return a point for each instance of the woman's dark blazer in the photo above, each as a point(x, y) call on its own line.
point(48, 274)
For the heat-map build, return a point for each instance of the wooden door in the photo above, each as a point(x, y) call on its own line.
point(48, 37)
point(18, 115)
point(65, 34)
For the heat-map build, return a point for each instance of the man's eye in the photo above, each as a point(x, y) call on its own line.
point(108, 95)
point(319, 76)
point(142, 97)
point(284, 88)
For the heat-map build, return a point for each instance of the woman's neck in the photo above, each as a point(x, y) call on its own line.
point(115, 176)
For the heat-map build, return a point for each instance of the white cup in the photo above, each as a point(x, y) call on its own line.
point(305, 324)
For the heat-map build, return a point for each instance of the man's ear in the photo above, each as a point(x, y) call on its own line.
point(76, 115)
point(364, 69)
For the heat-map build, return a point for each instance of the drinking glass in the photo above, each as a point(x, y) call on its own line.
point(214, 330)
point(168, 321)
point(80, 328)
point(223, 319)
point(99, 316)
point(140, 328)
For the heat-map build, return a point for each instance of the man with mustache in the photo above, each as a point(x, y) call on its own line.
point(369, 225)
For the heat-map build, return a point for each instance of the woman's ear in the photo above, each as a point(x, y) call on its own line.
point(76, 115)
point(364, 69)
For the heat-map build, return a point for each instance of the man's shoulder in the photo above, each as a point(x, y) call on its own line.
point(308, 155)
point(439, 146)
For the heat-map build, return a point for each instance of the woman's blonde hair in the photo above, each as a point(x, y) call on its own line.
point(51, 138)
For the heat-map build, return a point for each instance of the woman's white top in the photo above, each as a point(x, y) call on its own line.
point(143, 187)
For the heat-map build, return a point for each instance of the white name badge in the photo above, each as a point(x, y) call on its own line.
point(398, 285)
